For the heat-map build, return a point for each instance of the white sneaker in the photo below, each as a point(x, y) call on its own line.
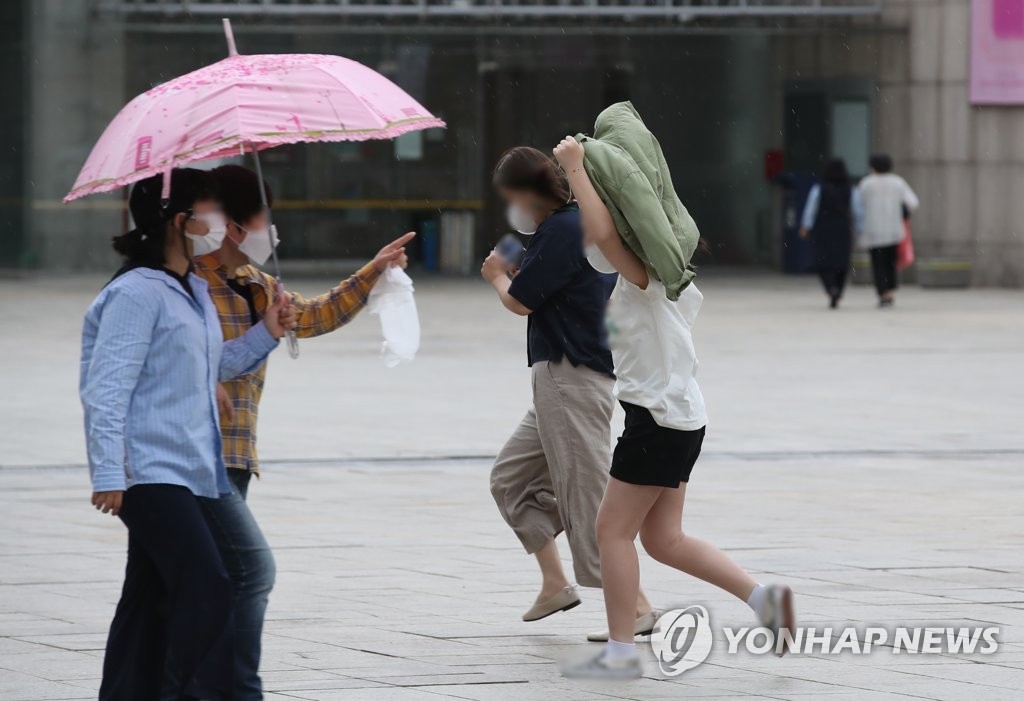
point(779, 614)
point(600, 667)
point(644, 626)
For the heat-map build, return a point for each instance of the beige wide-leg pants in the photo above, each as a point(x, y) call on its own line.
point(551, 474)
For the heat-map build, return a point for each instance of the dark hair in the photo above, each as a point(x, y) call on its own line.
point(240, 192)
point(835, 172)
point(525, 168)
point(881, 163)
point(144, 245)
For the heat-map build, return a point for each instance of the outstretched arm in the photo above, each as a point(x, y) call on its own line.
point(335, 308)
point(598, 226)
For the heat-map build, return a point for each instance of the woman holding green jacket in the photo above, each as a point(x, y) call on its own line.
point(650, 333)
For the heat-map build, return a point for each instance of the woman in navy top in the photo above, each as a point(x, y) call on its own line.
point(550, 475)
point(152, 354)
point(831, 218)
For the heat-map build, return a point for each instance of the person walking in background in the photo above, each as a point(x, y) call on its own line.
point(550, 475)
point(832, 215)
point(242, 294)
point(152, 352)
point(655, 368)
point(885, 196)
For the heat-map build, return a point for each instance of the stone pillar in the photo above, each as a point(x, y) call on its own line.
point(966, 163)
point(76, 86)
point(13, 123)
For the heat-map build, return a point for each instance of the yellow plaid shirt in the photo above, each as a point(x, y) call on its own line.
point(316, 316)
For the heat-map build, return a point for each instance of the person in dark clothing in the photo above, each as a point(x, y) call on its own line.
point(832, 216)
point(550, 475)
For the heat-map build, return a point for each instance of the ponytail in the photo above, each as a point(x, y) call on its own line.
point(146, 243)
point(142, 245)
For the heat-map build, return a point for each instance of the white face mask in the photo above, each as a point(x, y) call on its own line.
point(520, 220)
point(205, 244)
point(256, 244)
point(597, 260)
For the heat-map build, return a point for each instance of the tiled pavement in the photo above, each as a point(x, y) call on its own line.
point(872, 461)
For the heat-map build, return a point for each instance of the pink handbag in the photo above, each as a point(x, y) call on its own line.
point(905, 250)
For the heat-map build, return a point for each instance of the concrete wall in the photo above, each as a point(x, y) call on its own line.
point(76, 86)
point(13, 65)
point(965, 162)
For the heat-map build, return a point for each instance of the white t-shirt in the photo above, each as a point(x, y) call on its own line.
point(651, 339)
point(883, 197)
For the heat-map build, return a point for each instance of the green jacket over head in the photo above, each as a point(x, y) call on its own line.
point(629, 172)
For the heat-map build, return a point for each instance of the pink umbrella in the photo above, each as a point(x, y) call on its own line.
point(251, 102)
point(247, 103)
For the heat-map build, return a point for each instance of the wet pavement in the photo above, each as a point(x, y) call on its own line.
point(872, 460)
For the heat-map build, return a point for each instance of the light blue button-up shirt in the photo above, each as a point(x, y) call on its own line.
point(151, 359)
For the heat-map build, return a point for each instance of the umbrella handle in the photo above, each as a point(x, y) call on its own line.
point(290, 335)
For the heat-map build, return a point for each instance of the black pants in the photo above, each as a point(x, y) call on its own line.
point(175, 606)
point(834, 280)
point(883, 267)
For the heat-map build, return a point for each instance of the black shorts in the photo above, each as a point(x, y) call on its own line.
point(652, 455)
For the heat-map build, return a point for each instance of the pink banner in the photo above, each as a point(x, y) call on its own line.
point(997, 52)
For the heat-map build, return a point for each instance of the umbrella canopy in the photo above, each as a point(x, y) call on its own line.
point(252, 102)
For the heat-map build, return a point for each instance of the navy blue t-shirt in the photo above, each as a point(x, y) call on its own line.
point(566, 295)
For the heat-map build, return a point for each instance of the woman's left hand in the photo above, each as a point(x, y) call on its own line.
point(494, 267)
point(569, 154)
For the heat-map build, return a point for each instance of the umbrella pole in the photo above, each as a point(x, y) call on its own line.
point(293, 341)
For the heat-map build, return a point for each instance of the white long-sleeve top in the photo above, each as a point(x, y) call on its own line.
point(883, 196)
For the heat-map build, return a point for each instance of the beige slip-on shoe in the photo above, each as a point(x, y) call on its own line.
point(644, 626)
point(562, 601)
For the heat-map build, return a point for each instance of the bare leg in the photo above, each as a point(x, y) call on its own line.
point(551, 570)
point(618, 521)
point(662, 537)
point(643, 604)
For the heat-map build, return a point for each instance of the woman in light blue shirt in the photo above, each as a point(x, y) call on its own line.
point(152, 354)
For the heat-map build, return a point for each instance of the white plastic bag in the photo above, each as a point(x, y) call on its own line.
point(392, 301)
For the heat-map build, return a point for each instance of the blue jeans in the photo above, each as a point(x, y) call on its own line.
point(250, 566)
point(240, 478)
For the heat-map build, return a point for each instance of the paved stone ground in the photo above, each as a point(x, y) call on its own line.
point(870, 459)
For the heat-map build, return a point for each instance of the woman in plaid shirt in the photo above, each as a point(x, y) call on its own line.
point(241, 293)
